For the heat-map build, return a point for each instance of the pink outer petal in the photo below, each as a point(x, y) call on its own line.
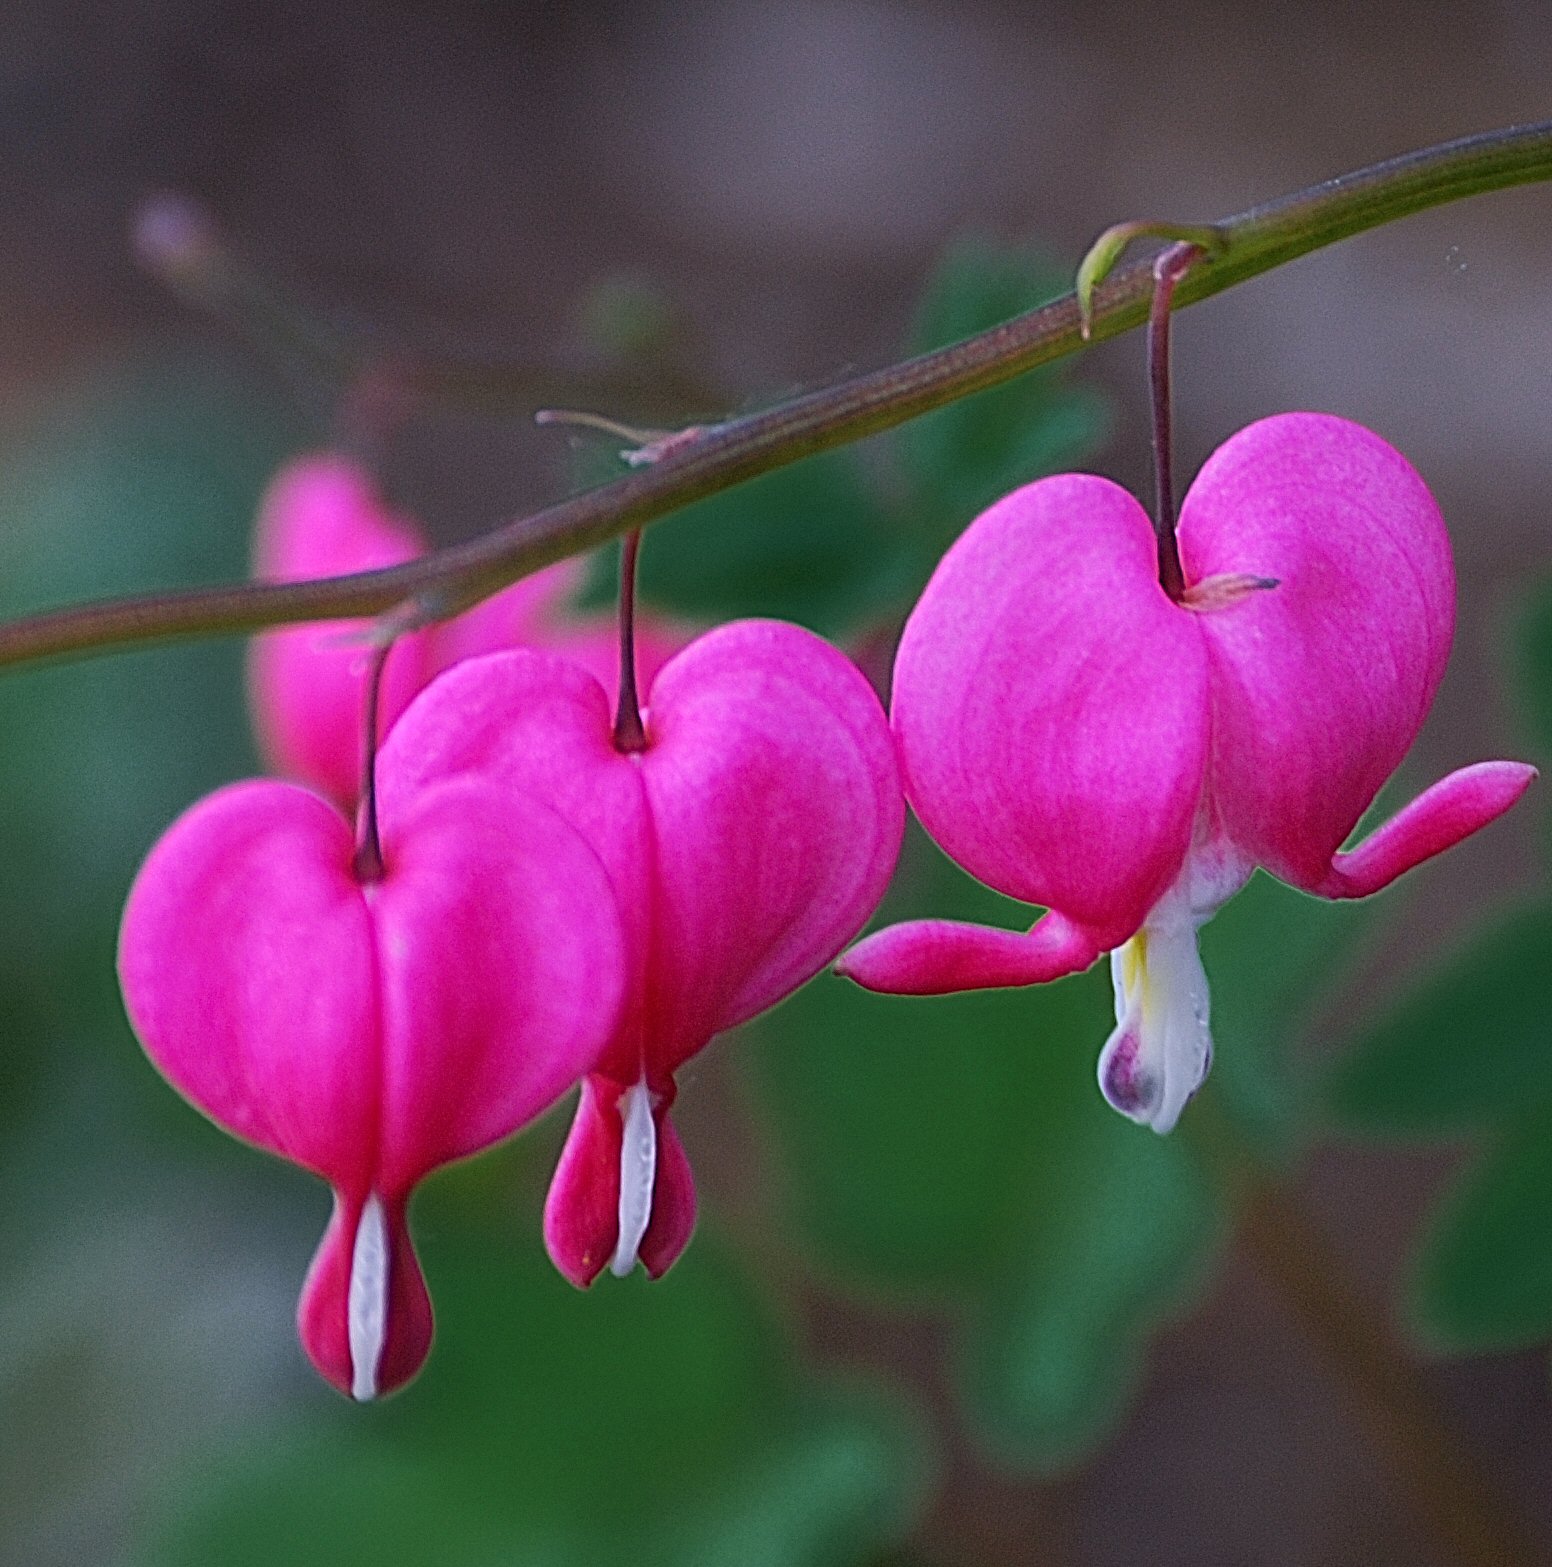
point(1319, 685)
point(777, 817)
point(1436, 820)
point(321, 1312)
point(247, 962)
point(581, 1212)
point(501, 962)
point(536, 725)
point(750, 840)
point(322, 517)
point(1050, 704)
point(934, 957)
point(673, 1201)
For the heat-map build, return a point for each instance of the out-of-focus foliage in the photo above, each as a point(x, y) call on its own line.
point(955, 1152)
point(960, 459)
point(1469, 1050)
point(638, 1423)
point(142, 478)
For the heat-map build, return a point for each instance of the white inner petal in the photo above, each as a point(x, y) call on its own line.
point(1162, 1044)
point(638, 1170)
point(366, 1302)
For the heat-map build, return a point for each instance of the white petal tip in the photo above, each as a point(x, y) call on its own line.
point(366, 1300)
point(638, 1171)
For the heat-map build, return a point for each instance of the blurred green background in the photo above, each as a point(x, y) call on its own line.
point(943, 1306)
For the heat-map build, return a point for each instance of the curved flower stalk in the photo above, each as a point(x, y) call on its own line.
point(322, 516)
point(747, 841)
point(1077, 739)
point(367, 1028)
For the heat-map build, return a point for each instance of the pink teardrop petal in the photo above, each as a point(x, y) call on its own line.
point(1320, 684)
point(581, 1210)
point(673, 1201)
point(1050, 704)
point(322, 1311)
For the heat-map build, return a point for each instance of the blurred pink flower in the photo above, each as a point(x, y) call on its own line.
point(1078, 740)
point(322, 517)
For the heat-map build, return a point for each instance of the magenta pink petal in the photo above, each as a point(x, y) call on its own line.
point(1319, 685)
point(1436, 820)
point(935, 957)
point(777, 818)
point(248, 968)
point(1050, 704)
point(535, 724)
point(322, 1313)
point(372, 1032)
point(501, 971)
point(582, 1210)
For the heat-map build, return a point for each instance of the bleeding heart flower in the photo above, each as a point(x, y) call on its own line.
point(1076, 739)
point(322, 517)
point(371, 1030)
point(747, 842)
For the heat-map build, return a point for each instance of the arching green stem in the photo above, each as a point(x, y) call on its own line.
point(742, 448)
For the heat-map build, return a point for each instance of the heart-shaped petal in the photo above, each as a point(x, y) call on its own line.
point(1320, 684)
point(1050, 704)
point(372, 1033)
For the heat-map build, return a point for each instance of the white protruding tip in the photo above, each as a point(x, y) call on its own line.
point(638, 1171)
point(1161, 1048)
point(366, 1302)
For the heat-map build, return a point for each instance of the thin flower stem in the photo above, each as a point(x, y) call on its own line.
point(630, 734)
point(1168, 268)
point(738, 449)
point(368, 863)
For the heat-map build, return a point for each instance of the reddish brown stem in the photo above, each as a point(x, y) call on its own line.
point(629, 732)
point(368, 863)
point(1170, 266)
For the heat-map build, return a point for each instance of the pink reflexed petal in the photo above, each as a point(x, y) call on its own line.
point(777, 818)
point(1436, 820)
point(581, 1211)
point(1051, 704)
point(247, 962)
point(934, 957)
point(321, 1314)
point(673, 1201)
point(502, 971)
point(322, 517)
point(1320, 684)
